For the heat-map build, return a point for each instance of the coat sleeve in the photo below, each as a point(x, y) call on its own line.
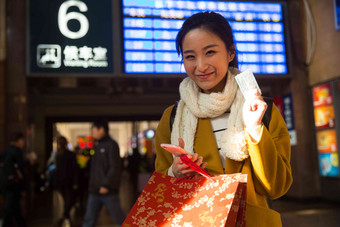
point(112, 176)
point(163, 135)
point(270, 158)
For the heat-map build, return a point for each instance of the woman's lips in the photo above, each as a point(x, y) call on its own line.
point(204, 76)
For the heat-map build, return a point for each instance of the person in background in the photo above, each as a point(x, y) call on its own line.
point(65, 177)
point(223, 132)
point(83, 178)
point(11, 167)
point(32, 174)
point(104, 182)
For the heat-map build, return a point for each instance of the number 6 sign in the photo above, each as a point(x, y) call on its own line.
point(64, 17)
point(70, 36)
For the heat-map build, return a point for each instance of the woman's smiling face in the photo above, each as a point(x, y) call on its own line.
point(206, 59)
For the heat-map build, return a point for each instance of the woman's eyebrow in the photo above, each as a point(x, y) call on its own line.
point(209, 46)
point(188, 51)
point(204, 48)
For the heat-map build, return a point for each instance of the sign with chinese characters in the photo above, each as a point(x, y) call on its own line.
point(285, 105)
point(70, 36)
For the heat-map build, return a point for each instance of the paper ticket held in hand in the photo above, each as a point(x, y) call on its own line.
point(247, 83)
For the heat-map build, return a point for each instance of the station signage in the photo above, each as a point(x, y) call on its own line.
point(285, 105)
point(70, 36)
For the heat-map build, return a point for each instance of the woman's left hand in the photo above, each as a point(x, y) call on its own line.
point(253, 112)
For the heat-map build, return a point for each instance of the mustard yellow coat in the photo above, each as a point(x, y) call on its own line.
point(268, 165)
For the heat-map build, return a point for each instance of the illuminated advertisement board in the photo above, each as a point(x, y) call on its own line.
point(322, 95)
point(70, 36)
point(327, 130)
point(326, 141)
point(150, 28)
point(324, 116)
point(329, 164)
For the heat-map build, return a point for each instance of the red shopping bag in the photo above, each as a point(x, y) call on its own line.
point(190, 202)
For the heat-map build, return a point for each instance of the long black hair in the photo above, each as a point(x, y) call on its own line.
point(212, 22)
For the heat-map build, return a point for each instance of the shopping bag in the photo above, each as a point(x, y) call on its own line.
point(194, 202)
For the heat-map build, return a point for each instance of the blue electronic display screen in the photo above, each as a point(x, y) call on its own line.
point(150, 28)
point(337, 14)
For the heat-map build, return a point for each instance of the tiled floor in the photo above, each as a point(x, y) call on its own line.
point(46, 210)
point(308, 213)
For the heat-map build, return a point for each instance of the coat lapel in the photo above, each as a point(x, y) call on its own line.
point(205, 146)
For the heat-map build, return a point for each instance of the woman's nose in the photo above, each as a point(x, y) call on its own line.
point(202, 65)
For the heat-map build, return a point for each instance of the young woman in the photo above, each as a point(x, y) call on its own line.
point(223, 132)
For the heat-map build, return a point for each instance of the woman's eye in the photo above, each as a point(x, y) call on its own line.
point(188, 57)
point(210, 52)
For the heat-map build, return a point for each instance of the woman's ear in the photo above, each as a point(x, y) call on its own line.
point(231, 54)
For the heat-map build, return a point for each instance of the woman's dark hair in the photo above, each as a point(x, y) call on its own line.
point(212, 22)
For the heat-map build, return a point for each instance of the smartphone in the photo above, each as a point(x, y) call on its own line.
point(174, 149)
point(178, 151)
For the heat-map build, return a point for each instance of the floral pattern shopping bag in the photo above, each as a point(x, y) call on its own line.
point(167, 201)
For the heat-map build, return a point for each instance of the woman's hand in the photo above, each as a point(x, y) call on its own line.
point(253, 112)
point(180, 169)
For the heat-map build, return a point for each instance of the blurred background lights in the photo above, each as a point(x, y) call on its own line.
point(150, 134)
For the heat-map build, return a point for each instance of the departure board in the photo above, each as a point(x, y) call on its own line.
point(150, 28)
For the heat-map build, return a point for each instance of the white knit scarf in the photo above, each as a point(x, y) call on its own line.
point(194, 104)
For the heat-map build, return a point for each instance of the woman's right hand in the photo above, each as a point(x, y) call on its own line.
point(180, 169)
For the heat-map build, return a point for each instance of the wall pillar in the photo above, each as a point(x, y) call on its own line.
point(306, 181)
point(2, 71)
point(15, 71)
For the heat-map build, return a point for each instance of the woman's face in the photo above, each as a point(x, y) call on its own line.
point(206, 59)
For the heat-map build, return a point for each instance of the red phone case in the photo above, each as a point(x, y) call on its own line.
point(178, 151)
point(174, 149)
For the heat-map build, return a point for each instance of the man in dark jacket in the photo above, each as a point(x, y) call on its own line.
point(13, 167)
point(105, 172)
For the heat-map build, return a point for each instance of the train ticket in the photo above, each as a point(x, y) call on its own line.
point(247, 83)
